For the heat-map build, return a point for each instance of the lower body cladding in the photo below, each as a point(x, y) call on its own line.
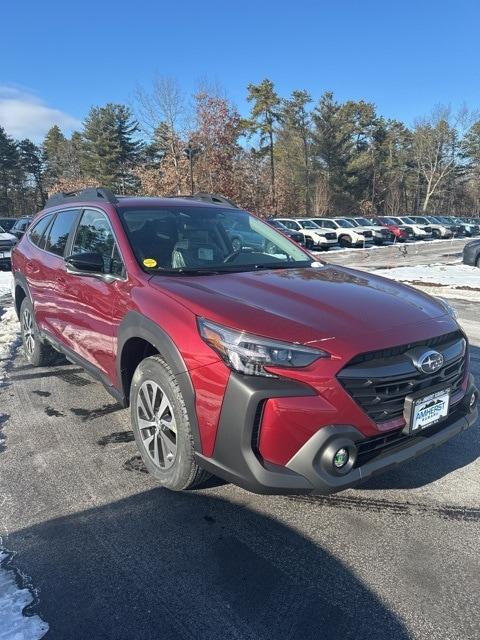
point(334, 458)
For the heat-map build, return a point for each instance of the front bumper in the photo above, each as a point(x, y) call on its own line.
point(310, 470)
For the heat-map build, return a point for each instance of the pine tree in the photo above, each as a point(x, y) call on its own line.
point(264, 116)
point(30, 157)
point(110, 146)
point(55, 155)
point(297, 141)
point(9, 164)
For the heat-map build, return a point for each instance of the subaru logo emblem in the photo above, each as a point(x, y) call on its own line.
point(429, 362)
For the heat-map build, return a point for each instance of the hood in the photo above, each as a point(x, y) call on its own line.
point(303, 305)
point(8, 236)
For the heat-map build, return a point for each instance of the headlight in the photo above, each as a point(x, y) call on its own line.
point(452, 312)
point(249, 354)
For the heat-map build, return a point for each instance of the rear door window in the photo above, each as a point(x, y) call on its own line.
point(59, 232)
point(37, 232)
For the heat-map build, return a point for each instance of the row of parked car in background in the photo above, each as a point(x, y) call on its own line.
point(316, 234)
point(324, 233)
point(11, 230)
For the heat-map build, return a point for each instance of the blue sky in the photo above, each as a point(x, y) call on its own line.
point(59, 58)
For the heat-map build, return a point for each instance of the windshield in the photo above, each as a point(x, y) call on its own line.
point(408, 220)
point(364, 222)
point(308, 224)
point(190, 240)
point(353, 222)
point(343, 223)
point(2, 230)
point(278, 225)
point(393, 220)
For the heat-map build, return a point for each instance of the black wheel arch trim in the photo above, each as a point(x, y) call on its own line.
point(20, 280)
point(136, 325)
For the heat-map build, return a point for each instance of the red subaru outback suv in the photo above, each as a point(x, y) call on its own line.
point(259, 365)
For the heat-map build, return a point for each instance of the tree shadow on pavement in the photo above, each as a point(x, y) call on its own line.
point(166, 565)
point(458, 452)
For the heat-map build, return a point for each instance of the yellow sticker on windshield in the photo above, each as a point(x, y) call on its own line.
point(150, 263)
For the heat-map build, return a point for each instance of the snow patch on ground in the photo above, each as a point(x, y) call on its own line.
point(9, 334)
point(13, 600)
point(5, 283)
point(454, 276)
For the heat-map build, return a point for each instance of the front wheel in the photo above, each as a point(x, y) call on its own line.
point(161, 426)
point(345, 241)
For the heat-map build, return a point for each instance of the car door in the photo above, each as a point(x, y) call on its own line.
point(42, 268)
point(87, 300)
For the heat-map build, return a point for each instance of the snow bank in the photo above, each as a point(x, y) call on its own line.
point(5, 283)
point(9, 332)
point(454, 276)
point(13, 624)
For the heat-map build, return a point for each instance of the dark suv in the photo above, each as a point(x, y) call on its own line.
point(273, 370)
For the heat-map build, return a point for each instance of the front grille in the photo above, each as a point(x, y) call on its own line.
point(5, 245)
point(367, 234)
point(380, 381)
point(331, 236)
point(372, 447)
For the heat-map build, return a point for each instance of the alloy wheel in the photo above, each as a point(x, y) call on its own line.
point(28, 332)
point(157, 424)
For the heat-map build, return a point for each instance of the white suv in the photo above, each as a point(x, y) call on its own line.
point(438, 229)
point(348, 234)
point(316, 238)
point(420, 232)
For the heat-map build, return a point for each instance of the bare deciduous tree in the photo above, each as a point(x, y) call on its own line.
point(163, 108)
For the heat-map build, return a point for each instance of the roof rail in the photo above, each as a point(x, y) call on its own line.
point(214, 198)
point(211, 198)
point(92, 193)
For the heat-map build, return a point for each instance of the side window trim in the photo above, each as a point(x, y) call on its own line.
point(51, 216)
point(47, 232)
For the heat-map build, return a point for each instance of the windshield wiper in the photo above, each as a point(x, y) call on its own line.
point(209, 271)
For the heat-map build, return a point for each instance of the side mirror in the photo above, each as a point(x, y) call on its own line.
point(86, 262)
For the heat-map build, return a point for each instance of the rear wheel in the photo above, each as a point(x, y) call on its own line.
point(161, 426)
point(38, 353)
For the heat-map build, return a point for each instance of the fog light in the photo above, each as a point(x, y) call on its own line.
point(341, 457)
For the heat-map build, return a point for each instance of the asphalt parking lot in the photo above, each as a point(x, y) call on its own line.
point(112, 555)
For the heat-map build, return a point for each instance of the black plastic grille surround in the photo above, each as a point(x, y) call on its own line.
point(383, 398)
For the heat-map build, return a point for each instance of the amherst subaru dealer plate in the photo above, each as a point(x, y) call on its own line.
point(429, 410)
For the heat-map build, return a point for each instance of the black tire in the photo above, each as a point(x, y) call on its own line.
point(309, 244)
point(436, 234)
point(478, 262)
point(345, 241)
point(37, 352)
point(181, 472)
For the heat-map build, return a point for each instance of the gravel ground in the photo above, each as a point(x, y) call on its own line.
point(112, 555)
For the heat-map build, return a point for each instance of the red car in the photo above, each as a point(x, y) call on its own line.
point(400, 234)
point(271, 370)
